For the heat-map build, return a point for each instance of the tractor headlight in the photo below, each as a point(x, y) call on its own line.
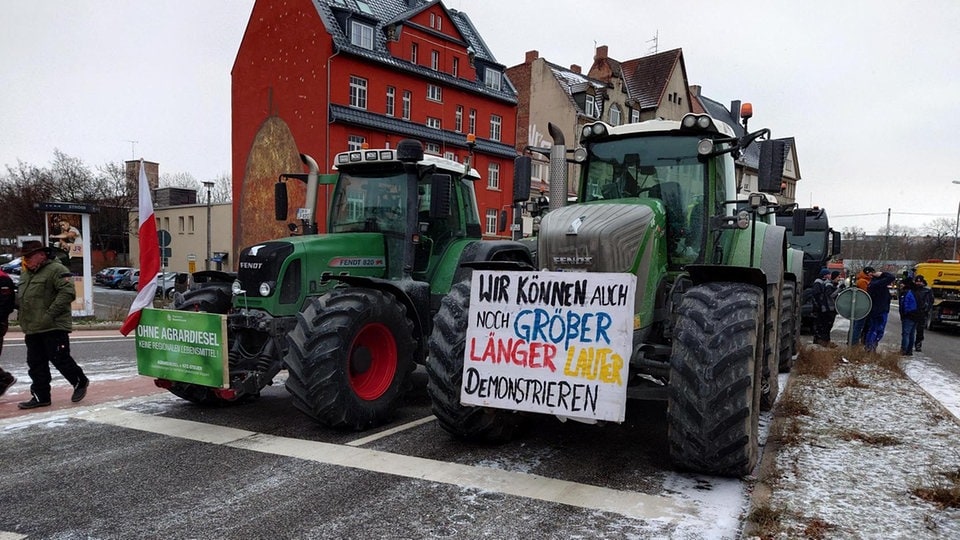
point(236, 288)
point(743, 219)
point(265, 288)
point(705, 147)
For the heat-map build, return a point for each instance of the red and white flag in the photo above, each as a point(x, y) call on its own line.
point(149, 257)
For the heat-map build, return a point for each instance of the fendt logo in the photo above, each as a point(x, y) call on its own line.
point(250, 265)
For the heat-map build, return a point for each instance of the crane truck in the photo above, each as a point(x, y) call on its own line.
point(943, 278)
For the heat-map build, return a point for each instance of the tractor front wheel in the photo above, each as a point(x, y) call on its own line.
point(349, 357)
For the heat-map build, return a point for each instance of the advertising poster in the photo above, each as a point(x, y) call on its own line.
point(183, 346)
point(66, 224)
point(550, 342)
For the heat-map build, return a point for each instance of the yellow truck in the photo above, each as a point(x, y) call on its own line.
point(943, 277)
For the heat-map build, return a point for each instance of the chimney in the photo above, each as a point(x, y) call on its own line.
point(531, 56)
point(576, 69)
point(601, 53)
point(695, 90)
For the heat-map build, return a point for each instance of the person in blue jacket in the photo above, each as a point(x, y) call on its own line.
point(909, 316)
point(879, 309)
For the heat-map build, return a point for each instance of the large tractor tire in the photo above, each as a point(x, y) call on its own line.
point(770, 386)
point(715, 368)
point(788, 326)
point(445, 377)
point(349, 357)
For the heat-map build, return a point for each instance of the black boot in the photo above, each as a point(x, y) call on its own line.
point(34, 403)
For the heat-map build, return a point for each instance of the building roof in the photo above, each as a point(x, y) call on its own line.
point(384, 13)
point(406, 128)
point(646, 78)
point(574, 83)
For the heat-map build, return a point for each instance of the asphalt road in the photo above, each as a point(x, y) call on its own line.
point(134, 461)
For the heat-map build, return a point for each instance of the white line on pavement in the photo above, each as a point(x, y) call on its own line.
point(627, 503)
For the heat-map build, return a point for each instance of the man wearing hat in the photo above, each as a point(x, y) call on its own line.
point(44, 297)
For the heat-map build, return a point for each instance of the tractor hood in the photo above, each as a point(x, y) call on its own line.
point(599, 237)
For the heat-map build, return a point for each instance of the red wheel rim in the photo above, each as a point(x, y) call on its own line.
point(373, 361)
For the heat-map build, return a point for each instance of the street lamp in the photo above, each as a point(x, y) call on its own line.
point(206, 265)
point(956, 227)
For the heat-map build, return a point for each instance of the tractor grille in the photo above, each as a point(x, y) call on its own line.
point(262, 262)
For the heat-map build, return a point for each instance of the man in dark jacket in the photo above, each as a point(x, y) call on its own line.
point(7, 299)
point(879, 308)
point(924, 303)
point(44, 297)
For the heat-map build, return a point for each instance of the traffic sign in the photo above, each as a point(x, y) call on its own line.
point(164, 238)
point(853, 303)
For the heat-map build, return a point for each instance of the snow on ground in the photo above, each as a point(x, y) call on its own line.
point(870, 438)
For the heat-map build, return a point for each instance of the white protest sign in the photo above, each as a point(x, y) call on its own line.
point(550, 342)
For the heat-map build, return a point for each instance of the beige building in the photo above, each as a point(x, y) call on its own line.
point(185, 223)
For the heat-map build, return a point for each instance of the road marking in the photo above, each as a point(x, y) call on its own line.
point(391, 431)
point(627, 503)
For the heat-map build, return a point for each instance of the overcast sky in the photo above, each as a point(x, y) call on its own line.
point(870, 90)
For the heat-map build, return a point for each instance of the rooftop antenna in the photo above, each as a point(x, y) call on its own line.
point(133, 148)
point(655, 41)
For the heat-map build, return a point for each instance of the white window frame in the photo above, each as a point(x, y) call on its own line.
point(456, 67)
point(496, 126)
point(391, 100)
point(590, 105)
point(634, 116)
point(433, 122)
point(615, 116)
point(473, 122)
point(361, 35)
point(407, 103)
point(458, 119)
point(358, 92)
point(490, 218)
point(432, 148)
point(355, 142)
point(435, 93)
point(435, 60)
point(492, 79)
point(414, 53)
point(493, 176)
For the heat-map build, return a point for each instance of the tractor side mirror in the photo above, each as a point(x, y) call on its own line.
point(522, 172)
point(799, 227)
point(770, 173)
point(441, 191)
point(835, 249)
point(502, 225)
point(280, 201)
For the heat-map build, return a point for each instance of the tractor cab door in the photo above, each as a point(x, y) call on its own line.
point(439, 220)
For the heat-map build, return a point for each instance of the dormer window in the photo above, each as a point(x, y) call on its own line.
point(492, 79)
point(590, 107)
point(361, 35)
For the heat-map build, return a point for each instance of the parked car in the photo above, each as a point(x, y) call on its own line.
point(130, 280)
point(110, 277)
point(167, 284)
point(12, 267)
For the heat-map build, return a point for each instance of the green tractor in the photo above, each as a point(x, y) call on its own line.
point(716, 285)
point(348, 313)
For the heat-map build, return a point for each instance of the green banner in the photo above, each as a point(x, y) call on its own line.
point(184, 346)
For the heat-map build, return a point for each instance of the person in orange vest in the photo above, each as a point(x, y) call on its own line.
point(860, 326)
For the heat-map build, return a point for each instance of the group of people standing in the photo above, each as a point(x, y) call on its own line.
point(915, 302)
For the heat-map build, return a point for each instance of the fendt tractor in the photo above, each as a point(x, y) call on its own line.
point(808, 230)
point(348, 312)
point(659, 199)
point(943, 278)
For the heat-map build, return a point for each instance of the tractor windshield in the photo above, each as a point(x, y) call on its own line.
point(656, 167)
point(369, 202)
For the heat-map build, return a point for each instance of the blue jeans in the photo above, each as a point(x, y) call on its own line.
point(875, 327)
point(858, 330)
point(908, 329)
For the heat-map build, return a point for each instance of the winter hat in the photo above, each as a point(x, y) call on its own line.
point(32, 246)
point(824, 272)
point(868, 270)
point(835, 274)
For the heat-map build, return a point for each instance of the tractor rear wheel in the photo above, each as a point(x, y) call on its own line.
point(445, 377)
point(349, 356)
point(715, 370)
point(788, 326)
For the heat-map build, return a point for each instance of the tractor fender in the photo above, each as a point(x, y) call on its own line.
point(494, 255)
point(413, 294)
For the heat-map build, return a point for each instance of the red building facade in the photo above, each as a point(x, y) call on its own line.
point(325, 76)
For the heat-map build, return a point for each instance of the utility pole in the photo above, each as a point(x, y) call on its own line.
point(206, 264)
